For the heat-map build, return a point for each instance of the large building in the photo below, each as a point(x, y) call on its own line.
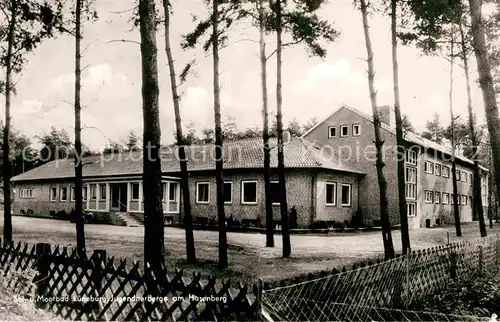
point(330, 176)
point(348, 135)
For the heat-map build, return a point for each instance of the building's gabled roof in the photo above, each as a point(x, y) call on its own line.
point(243, 154)
point(409, 136)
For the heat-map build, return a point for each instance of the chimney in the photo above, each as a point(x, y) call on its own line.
point(385, 115)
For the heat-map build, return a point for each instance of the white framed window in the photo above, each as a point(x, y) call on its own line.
point(84, 193)
point(459, 200)
point(464, 200)
point(172, 191)
point(429, 167)
point(437, 197)
point(411, 191)
point(93, 191)
point(411, 175)
point(429, 196)
point(72, 196)
point(275, 196)
point(203, 192)
point(411, 157)
point(331, 194)
point(227, 192)
point(438, 169)
point(356, 129)
point(332, 131)
point(53, 194)
point(344, 130)
point(459, 174)
point(134, 187)
point(446, 171)
point(27, 193)
point(346, 194)
point(63, 193)
point(249, 192)
point(470, 179)
point(411, 209)
point(464, 176)
point(102, 191)
point(446, 198)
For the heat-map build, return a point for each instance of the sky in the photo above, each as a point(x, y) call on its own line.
point(312, 87)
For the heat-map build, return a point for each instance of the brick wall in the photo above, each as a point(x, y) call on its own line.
point(359, 151)
point(299, 195)
point(337, 212)
point(41, 203)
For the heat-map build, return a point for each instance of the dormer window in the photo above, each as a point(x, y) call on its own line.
point(356, 130)
point(332, 131)
point(344, 130)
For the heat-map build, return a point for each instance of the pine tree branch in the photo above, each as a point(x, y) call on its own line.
point(123, 40)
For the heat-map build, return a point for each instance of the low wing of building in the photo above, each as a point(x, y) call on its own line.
point(319, 186)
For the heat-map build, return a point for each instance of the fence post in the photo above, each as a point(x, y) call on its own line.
point(480, 258)
point(453, 264)
point(42, 278)
point(258, 298)
point(497, 254)
point(97, 274)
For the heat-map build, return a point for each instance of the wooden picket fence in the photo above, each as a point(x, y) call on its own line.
point(99, 288)
point(102, 288)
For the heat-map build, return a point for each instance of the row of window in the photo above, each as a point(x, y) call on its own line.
point(63, 193)
point(100, 193)
point(331, 194)
point(444, 171)
point(344, 130)
point(172, 191)
point(26, 193)
point(249, 191)
point(445, 198)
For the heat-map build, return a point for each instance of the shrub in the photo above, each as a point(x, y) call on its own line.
point(107, 219)
point(319, 225)
point(212, 221)
point(475, 294)
point(14, 309)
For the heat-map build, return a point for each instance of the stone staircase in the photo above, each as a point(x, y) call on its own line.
point(129, 220)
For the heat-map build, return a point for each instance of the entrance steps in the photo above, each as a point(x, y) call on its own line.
point(129, 220)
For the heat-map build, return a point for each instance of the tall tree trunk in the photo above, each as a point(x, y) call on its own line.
point(265, 128)
point(287, 247)
point(219, 162)
point(80, 231)
point(456, 211)
point(405, 235)
point(490, 202)
point(477, 206)
point(154, 246)
point(7, 166)
point(382, 183)
point(486, 82)
point(186, 199)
